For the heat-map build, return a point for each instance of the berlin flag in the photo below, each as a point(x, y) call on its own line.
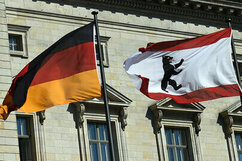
point(63, 73)
point(190, 70)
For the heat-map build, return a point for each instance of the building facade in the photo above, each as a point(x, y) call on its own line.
point(142, 129)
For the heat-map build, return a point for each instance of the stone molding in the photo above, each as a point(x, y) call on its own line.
point(77, 20)
point(161, 110)
point(196, 11)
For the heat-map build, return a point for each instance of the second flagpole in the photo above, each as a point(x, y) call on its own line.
point(104, 89)
point(236, 66)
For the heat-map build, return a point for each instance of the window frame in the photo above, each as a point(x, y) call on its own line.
point(167, 113)
point(30, 134)
point(104, 43)
point(190, 137)
point(236, 130)
point(174, 146)
point(118, 139)
point(98, 140)
point(20, 31)
point(38, 134)
point(231, 118)
point(232, 142)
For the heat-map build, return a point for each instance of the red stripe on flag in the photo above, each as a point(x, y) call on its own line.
point(66, 63)
point(204, 94)
point(189, 43)
point(144, 85)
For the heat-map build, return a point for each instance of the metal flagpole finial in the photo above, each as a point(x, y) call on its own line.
point(94, 12)
point(228, 20)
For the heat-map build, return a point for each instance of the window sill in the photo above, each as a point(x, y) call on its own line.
point(18, 54)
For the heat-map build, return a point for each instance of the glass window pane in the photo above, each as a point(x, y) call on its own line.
point(180, 154)
point(177, 134)
point(179, 137)
point(105, 152)
point(240, 156)
point(103, 132)
point(92, 133)
point(19, 126)
point(14, 40)
point(10, 47)
point(168, 133)
point(24, 126)
point(99, 149)
point(171, 154)
point(25, 149)
point(238, 141)
point(94, 151)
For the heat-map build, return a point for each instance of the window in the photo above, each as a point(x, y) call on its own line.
point(17, 36)
point(15, 42)
point(98, 141)
point(104, 49)
point(233, 130)
point(93, 127)
point(26, 138)
point(238, 139)
point(177, 130)
point(177, 145)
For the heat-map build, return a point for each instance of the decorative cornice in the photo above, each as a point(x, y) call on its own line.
point(162, 109)
point(195, 11)
point(78, 21)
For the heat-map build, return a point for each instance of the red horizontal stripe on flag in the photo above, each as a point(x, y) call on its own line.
point(204, 94)
point(66, 63)
point(189, 43)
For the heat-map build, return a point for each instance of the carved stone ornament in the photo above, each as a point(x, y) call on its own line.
point(228, 121)
point(158, 117)
point(197, 122)
point(80, 109)
point(42, 116)
point(123, 117)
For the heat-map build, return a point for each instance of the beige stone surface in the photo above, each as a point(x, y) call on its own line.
point(60, 135)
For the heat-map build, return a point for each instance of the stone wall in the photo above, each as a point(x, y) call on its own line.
point(9, 150)
point(50, 21)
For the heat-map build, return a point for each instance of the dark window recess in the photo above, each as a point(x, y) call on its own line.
point(15, 42)
point(97, 52)
point(99, 143)
point(177, 144)
point(25, 138)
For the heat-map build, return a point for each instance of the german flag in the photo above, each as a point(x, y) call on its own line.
point(64, 73)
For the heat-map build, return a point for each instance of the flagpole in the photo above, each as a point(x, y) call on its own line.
point(104, 89)
point(235, 57)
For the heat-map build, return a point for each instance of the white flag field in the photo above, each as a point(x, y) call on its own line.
point(190, 70)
